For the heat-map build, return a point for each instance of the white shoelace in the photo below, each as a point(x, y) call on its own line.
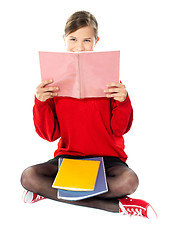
point(38, 198)
point(135, 212)
point(132, 211)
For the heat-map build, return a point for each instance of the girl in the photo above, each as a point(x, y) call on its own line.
point(86, 127)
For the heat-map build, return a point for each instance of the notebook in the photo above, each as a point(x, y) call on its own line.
point(100, 185)
point(77, 175)
point(80, 75)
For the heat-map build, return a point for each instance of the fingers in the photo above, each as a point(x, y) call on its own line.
point(116, 91)
point(46, 95)
point(112, 90)
point(44, 83)
point(43, 92)
point(114, 84)
point(115, 88)
point(116, 96)
point(47, 89)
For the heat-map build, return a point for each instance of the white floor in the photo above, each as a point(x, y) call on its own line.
point(52, 220)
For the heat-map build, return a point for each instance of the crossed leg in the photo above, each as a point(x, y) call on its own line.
point(121, 181)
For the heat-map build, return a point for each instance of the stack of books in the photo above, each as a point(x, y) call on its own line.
point(80, 178)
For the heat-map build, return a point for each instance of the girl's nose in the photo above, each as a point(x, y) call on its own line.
point(80, 47)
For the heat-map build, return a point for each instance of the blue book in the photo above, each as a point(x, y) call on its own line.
point(100, 185)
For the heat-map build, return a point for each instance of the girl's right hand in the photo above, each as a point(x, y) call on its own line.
point(43, 93)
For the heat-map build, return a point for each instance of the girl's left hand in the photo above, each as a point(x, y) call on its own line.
point(117, 91)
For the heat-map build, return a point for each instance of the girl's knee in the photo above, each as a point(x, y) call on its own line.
point(132, 182)
point(125, 184)
point(27, 178)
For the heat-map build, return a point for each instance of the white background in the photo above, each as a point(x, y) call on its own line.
point(144, 32)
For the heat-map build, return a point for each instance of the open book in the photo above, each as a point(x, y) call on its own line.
point(80, 75)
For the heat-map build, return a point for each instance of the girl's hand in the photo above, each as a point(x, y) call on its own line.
point(117, 91)
point(43, 93)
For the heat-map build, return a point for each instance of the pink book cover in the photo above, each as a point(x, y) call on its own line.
point(80, 75)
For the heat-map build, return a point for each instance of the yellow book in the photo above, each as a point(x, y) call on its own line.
point(77, 175)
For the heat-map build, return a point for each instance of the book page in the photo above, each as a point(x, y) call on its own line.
point(63, 69)
point(97, 69)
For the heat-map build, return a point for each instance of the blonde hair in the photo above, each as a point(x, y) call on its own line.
point(81, 19)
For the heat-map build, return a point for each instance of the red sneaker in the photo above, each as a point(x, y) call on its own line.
point(30, 197)
point(136, 207)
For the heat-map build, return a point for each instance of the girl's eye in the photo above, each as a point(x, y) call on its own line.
point(73, 39)
point(87, 40)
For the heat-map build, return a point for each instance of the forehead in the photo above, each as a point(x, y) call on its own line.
point(84, 32)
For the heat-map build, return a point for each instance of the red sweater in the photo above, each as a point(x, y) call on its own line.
point(86, 127)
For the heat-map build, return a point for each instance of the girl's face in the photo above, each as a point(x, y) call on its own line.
point(81, 40)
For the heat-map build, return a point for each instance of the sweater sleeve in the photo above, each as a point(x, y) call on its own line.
point(122, 116)
point(45, 120)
